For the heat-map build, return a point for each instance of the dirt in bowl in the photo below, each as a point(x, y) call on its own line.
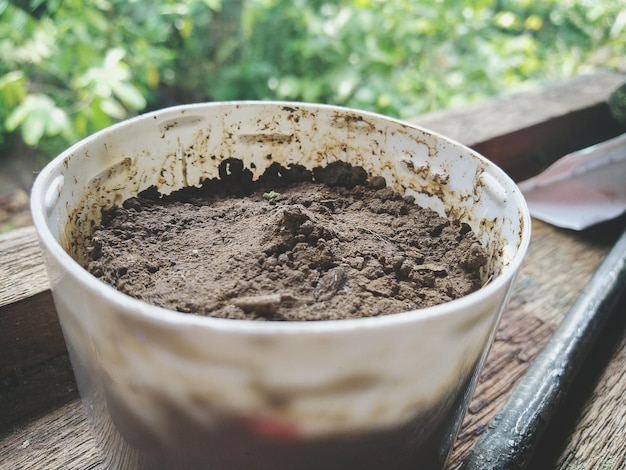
point(294, 245)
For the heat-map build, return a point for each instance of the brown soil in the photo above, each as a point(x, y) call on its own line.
point(294, 245)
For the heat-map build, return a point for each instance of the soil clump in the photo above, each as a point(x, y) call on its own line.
point(294, 245)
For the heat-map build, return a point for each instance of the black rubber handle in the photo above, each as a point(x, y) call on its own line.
point(510, 439)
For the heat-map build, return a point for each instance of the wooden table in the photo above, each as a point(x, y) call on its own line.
point(42, 423)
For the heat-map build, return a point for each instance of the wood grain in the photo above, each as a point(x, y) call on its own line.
point(58, 440)
point(598, 440)
point(558, 265)
point(35, 374)
point(23, 273)
point(525, 132)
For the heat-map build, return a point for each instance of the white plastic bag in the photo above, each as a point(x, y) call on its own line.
point(581, 189)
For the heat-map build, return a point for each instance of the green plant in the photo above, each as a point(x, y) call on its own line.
point(404, 57)
point(69, 68)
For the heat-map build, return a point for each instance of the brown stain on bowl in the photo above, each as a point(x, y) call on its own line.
point(176, 167)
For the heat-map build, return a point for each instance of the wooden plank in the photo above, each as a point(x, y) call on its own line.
point(34, 369)
point(558, 265)
point(23, 273)
point(26, 392)
point(58, 440)
point(29, 328)
point(525, 132)
point(597, 439)
point(30, 332)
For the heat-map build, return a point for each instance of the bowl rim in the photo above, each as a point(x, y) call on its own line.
point(133, 306)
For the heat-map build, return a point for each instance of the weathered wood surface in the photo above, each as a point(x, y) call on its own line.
point(58, 440)
point(558, 265)
point(525, 132)
point(34, 370)
point(43, 426)
point(597, 440)
point(23, 274)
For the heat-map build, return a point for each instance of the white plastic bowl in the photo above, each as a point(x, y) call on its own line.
point(170, 390)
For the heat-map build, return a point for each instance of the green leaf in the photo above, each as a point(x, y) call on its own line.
point(37, 116)
point(11, 77)
point(129, 95)
point(12, 89)
point(30, 105)
point(215, 5)
point(96, 20)
point(113, 57)
point(113, 108)
point(98, 119)
point(16, 117)
point(34, 4)
point(59, 124)
point(34, 127)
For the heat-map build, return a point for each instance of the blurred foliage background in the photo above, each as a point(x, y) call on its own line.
point(69, 68)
